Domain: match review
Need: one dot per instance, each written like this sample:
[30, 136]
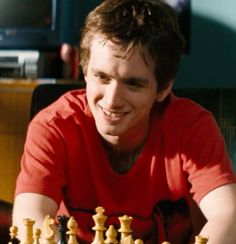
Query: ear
[164, 93]
[85, 78]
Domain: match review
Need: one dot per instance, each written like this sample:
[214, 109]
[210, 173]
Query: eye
[101, 77]
[134, 83]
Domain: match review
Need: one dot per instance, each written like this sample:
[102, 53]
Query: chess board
[68, 230]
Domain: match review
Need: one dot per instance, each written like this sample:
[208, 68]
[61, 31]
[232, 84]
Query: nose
[114, 95]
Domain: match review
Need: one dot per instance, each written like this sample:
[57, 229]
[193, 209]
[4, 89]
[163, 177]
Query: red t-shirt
[184, 157]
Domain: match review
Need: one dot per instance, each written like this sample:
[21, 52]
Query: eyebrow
[137, 79]
[140, 80]
[97, 71]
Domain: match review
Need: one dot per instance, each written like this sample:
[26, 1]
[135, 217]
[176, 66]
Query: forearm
[219, 208]
[220, 230]
[32, 206]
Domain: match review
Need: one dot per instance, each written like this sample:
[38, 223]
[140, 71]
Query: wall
[212, 58]
[73, 15]
[211, 62]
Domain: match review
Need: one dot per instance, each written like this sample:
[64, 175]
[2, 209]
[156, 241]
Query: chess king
[68, 231]
[126, 142]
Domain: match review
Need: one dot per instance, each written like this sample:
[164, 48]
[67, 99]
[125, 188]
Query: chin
[110, 131]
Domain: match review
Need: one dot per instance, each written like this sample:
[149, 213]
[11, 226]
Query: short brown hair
[148, 24]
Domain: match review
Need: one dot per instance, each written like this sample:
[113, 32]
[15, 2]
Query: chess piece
[13, 235]
[125, 222]
[127, 240]
[72, 232]
[37, 235]
[62, 228]
[28, 235]
[139, 241]
[48, 230]
[99, 220]
[111, 235]
[201, 240]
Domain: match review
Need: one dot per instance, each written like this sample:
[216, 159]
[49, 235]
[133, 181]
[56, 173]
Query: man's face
[120, 91]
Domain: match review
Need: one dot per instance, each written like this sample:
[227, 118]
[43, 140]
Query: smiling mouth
[114, 114]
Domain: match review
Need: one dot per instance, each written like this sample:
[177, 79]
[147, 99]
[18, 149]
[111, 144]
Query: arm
[32, 205]
[219, 207]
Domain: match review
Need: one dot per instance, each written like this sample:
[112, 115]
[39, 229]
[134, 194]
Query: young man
[126, 142]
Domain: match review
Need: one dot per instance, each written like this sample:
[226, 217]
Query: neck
[127, 142]
[121, 160]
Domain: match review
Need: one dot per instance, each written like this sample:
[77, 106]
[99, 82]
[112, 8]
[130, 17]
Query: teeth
[112, 114]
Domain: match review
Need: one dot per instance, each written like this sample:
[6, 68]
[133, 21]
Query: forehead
[102, 47]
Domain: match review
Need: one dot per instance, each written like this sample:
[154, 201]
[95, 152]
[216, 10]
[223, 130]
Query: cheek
[94, 92]
[144, 101]
[90, 85]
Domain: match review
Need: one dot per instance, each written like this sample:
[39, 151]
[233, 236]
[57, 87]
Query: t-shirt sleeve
[42, 163]
[205, 156]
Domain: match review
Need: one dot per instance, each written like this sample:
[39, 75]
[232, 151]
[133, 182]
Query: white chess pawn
[37, 235]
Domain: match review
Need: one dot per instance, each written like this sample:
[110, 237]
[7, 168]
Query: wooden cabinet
[15, 100]
[15, 105]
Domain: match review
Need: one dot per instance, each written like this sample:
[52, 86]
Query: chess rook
[68, 230]
[28, 224]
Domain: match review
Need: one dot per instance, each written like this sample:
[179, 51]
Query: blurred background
[38, 45]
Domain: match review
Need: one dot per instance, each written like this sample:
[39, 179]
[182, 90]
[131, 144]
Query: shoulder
[185, 125]
[183, 112]
[67, 115]
[187, 106]
[70, 105]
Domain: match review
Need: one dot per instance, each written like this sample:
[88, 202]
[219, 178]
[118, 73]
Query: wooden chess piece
[13, 235]
[111, 235]
[37, 235]
[62, 228]
[28, 234]
[125, 222]
[139, 241]
[48, 230]
[72, 232]
[127, 240]
[201, 240]
[99, 220]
